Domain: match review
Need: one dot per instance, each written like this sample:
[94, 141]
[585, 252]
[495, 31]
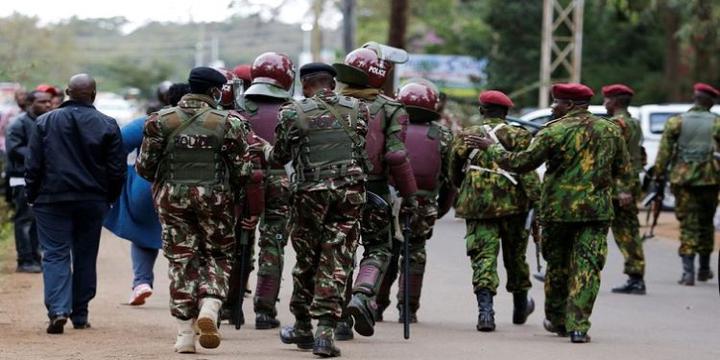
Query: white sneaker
[185, 341]
[140, 293]
[207, 322]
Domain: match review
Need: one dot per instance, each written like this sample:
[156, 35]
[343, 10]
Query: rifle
[654, 202]
[532, 225]
[238, 317]
[406, 282]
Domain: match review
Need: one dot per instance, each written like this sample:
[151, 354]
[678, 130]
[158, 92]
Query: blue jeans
[26, 241]
[69, 233]
[143, 261]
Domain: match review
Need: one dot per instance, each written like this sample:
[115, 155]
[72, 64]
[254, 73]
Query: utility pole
[348, 11]
[561, 52]
[200, 47]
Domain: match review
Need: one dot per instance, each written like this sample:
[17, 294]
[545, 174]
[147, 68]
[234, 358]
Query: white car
[116, 107]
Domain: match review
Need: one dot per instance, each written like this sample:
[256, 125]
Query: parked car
[116, 107]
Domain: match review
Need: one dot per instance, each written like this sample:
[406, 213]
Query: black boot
[265, 322]
[300, 336]
[486, 315]
[362, 312]
[557, 329]
[401, 318]
[579, 337]
[523, 306]
[344, 330]
[635, 285]
[324, 345]
[688, 276]
[704, 273]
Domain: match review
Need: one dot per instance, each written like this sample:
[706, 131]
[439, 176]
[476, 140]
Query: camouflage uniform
[274, 221]
[422, 220]
[584, 156]
[694, 181]
[625, 225]
[327, 201]
[196, 212]
[495, 209]
[390, 119]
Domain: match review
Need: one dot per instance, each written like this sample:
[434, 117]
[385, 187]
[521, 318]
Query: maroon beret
[47, 89]
[495, 97]
[243, 72]
[617, 89]
[707, 89]
[572, 91]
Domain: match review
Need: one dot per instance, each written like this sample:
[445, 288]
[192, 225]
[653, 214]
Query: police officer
[324, 137]
[195, 156]
[586, 162]
[428, 144]
[625, 225]
[364, 72]
[687, 147]
[272, 76]
[495, 205]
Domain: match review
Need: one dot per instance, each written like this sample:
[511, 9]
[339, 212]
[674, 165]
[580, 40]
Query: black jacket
[75, 154]
[17, 138]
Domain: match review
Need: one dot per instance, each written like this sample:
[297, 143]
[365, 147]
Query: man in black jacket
[76, 167]
[17, 139]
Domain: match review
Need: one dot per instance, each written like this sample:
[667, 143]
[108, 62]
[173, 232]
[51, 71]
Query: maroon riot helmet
[272, 75]
[421, 99]
[232, 90]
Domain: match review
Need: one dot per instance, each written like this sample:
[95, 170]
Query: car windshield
[658, 120]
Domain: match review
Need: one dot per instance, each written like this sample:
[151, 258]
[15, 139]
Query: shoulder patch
[347, 101]
[307, 105]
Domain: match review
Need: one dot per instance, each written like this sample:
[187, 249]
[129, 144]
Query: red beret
[572, 91]
[48, 89]
[707, 89]
[617, 89]
[243, 71]
[495, 97]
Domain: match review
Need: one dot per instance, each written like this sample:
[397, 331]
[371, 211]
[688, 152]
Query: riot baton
[238, 316]
[406, 282]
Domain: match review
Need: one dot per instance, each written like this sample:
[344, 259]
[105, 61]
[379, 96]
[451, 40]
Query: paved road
[671, 322]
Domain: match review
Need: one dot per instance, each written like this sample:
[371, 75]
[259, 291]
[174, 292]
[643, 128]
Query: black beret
[203, 77]
[316, 67]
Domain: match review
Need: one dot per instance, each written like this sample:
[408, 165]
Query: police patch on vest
[323, 122]
[193, 141]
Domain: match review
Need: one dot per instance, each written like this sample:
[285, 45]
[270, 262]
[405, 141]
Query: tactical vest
[328, 146]
[381, 110]
[696, 143]
[192, 155]
[265, 119]
[423, 146]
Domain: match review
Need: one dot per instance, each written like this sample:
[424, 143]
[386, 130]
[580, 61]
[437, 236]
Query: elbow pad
[255, 194]
[401, 172]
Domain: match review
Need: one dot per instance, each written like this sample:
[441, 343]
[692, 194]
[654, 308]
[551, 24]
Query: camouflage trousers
[422, 221]
[626, 231]
[695, 209]
[483, 241]
[575, 253]
[272, 241]
[198, 241]
[324, 236]
[377, 249]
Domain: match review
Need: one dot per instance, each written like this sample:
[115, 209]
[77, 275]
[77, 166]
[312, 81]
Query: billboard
[458, 76]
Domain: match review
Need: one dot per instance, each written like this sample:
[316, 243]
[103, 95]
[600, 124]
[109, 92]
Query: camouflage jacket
[486, 194]
[289, 136]
[682, 173]
[632, 133]
[585, 155]
[157, 130]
